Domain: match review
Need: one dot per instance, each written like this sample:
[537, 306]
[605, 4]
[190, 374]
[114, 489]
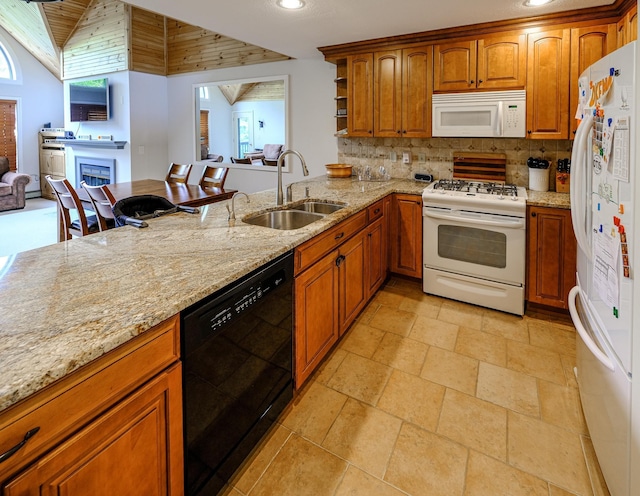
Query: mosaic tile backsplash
[435, 155]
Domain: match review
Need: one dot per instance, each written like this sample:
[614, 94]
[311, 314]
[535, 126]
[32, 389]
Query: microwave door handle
[499, 123]
[474, 219]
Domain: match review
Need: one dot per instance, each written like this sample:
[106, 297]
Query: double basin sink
[294, 217]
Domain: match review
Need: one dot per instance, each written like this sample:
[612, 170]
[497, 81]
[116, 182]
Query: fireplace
[95, 171]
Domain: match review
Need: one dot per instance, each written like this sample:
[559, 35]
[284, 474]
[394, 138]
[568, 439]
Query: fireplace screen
[95, 171]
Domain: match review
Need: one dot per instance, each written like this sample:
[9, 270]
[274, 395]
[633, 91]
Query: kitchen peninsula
[68, 306]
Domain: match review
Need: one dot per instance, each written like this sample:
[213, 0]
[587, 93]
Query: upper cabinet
[548, 84]
[588, 45]
[402, 93]
[492, 63]
[360, 95]
[389, 93]
[385, 86]
[627, 28]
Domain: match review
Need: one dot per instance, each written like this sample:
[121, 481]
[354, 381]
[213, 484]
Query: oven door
[486, 246]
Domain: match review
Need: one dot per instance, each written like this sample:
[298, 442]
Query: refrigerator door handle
[577, 190]
[584, 334]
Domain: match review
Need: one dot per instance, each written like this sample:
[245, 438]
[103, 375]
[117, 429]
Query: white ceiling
[329, 22]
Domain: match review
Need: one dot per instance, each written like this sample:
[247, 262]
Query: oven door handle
[473, 218]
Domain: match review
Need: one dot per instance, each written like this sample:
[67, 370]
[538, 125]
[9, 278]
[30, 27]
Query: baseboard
[32, 194]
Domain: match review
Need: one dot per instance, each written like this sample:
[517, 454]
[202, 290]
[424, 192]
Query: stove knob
[514, 198]
[442, 191]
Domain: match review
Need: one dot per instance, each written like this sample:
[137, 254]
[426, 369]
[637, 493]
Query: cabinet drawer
[314, 249]
[375, 211]
[66, 405]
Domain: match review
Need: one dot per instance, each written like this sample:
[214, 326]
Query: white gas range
[474, 242]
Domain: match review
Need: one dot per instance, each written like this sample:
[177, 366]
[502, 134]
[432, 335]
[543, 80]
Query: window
[7, 70]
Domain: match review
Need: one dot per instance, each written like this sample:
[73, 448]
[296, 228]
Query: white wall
[150, 126]
[40, 101]
[311, 121]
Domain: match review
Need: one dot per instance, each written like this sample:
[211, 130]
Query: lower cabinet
[405, 230]
[112, 427]
[125, 451]
[337, 273]
[551, 246]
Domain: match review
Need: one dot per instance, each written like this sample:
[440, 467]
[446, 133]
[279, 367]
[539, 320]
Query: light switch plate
[393, 156]
[406, 157]
[422, 157]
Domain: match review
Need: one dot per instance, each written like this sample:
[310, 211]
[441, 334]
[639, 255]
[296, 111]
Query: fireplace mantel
[118, 145]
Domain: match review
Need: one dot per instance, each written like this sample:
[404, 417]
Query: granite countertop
[69, 303]
[548, 199]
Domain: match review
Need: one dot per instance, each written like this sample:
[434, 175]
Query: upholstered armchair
[12, 187]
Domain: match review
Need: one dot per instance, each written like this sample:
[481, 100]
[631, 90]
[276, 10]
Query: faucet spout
[305, 171]
[232, 212]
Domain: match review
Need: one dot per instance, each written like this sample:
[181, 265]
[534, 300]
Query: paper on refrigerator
[605, 268]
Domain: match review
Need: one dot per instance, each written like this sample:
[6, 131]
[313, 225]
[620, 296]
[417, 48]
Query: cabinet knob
[370, 131]
[533, 214]
[339, 260]
[480, 81]
[398, 131]
[529, 131]
[471, 82]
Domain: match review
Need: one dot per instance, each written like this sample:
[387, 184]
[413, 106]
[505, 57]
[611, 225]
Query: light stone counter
[548, 199]
[64, 305]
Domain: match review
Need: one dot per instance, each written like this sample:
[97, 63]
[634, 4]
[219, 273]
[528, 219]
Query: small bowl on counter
[339, 170]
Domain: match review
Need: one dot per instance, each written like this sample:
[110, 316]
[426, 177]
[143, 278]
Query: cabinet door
[405, 229]
[387, 94]
[360, 95]
[376, 252]
[353, 274]
[588, 45]
[502, 62]
[548, 84]
[552, 256]
[134, 448]
[316, 315]
[417, 68]
[454, 66]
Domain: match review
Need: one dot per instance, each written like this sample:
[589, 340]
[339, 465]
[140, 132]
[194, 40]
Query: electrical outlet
[406, 157]
[393, 156]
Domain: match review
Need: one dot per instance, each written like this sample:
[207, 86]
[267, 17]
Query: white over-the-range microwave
[482, 114]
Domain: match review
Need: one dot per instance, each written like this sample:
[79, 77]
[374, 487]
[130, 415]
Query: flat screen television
[89, 100]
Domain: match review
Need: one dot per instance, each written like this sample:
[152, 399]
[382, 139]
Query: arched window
[7, 69]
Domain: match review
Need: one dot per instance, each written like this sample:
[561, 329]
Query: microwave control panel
[514, 119]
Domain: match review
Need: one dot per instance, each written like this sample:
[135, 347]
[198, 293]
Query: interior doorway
[242, 132]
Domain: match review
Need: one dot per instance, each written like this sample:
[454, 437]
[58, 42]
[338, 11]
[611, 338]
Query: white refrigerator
[603, 189]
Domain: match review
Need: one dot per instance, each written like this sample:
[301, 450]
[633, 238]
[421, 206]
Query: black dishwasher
[237, 372]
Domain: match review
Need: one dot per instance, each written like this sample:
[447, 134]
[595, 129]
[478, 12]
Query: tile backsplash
[435, 155]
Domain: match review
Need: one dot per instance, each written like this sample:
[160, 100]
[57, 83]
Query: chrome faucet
[305, 171]
[232, 212]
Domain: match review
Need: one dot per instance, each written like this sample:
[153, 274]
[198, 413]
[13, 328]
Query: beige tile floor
[428, 396]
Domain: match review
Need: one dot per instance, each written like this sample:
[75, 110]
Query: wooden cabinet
[124, 451]
[551, 256]
[360, 95]
[402, 93]
[337, 273]
[53, 163]
[120, 414]
[328, 297]
[588, 45]
[405, 235]
[548, 84]
[492, 63]
[377, 246]
[627, 28]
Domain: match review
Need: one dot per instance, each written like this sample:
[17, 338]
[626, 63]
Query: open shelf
[110, 144]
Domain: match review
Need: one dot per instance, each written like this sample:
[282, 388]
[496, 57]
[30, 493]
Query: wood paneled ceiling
[43, 29]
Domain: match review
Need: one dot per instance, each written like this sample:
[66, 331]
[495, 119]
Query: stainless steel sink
[318, 207]
[283, 219]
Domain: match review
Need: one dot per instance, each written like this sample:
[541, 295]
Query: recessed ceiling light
[291, 4]
[536, 3]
